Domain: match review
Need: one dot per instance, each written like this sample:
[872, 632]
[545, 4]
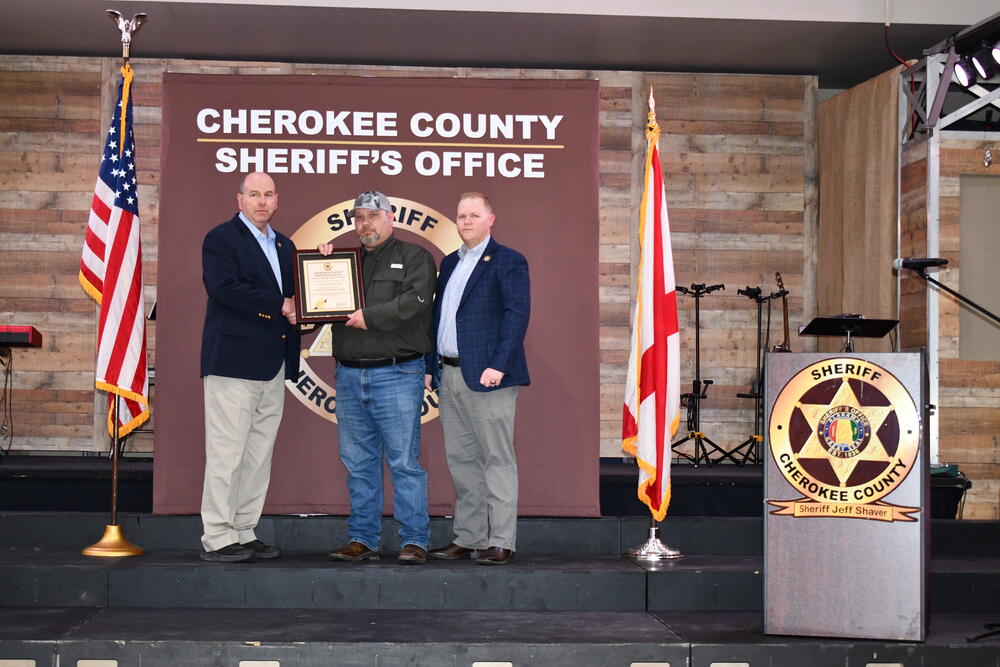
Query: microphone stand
[752, 445]
[922, 272]
[699, 391]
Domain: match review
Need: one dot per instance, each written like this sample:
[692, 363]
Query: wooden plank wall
[969, 391]
[740, 168]
[49, 141]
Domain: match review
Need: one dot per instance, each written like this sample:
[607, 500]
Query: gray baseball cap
[373, 200]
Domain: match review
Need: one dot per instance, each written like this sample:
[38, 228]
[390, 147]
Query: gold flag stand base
[654, 549]
[112, 544]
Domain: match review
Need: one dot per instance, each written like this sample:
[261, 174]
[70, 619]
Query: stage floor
[550, 606]
[314, 638]
[567, 598]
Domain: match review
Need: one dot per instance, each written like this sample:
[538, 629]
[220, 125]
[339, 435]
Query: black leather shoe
[411, 554]
[495, 556]
[354, 552]
[451, 552]
[261, 550]
[234, 553]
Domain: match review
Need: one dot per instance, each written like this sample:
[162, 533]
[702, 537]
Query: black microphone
[918, 264]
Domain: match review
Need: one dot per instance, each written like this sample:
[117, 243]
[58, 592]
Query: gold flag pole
[113, 543]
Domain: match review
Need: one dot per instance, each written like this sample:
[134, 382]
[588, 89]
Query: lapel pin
[487, 258]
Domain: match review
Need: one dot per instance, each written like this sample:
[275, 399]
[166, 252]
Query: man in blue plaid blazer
[481, 311]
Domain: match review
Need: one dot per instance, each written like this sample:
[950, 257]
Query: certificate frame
[328, 288]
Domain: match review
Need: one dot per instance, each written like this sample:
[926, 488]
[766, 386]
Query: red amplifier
[18, 336]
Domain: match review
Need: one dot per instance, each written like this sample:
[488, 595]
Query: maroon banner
[531, 146]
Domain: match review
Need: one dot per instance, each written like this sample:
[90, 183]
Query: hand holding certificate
[328, 288]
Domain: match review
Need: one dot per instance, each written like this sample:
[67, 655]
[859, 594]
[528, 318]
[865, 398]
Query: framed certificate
[328, 288]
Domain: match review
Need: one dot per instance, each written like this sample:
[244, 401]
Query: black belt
[376, 363]
[450, 361]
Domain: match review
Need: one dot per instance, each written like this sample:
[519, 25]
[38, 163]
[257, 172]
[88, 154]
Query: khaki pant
[241, 423]
[479, 443]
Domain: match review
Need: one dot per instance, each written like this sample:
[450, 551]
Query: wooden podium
[845, 496]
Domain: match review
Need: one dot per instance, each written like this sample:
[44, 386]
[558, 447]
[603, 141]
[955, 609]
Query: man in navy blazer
[481, 311]
[249, 347]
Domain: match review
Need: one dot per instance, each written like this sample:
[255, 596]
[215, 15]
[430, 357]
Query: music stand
[851, 327]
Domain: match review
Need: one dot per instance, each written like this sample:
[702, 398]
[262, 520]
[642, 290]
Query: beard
[369, 238]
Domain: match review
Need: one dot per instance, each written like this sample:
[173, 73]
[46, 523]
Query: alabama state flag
[652, 392]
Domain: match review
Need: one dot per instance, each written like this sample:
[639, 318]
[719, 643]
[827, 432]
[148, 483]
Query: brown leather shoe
[495, 556]
[411, 554]
[354, 552]
[451, 552]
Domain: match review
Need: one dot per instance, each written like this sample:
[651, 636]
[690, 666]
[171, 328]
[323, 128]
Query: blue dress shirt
[267, 241]
[447, 338]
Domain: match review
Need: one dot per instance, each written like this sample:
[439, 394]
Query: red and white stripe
[92, 262]
[121, 342]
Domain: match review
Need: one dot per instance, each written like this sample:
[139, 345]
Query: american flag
[651, 412]
[111, 272]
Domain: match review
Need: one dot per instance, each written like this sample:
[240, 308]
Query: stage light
[964, 73]
[983, 60]
[969, 41]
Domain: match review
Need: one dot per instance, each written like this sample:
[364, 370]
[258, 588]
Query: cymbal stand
[751, 447]
[699, 387]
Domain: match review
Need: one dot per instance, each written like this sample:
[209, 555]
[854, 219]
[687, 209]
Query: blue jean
[378, 412]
